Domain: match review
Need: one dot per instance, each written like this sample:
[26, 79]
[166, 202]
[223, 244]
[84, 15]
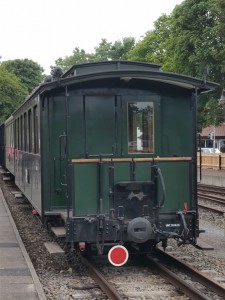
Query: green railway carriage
[110, 147]
[2, 145]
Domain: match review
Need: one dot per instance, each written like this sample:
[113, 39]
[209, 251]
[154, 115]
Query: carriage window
[140, 127]
[21, 132]
[29, 132]
[25, 131]
[7, 135]
[15, 132]
[12, 136]
[18, 133]
[36, 132]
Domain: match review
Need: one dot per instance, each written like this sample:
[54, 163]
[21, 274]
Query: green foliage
[195, 41]
[104, 51]
[114, 51]
[190, 41]
[120, 49]
[197, 48]
[28, 71]
[219, 52]
[79, 56]
[152, 48]
[12, 93]
[210, 112]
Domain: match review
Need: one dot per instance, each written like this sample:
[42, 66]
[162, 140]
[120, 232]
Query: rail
[193, 273]
[155, 264]
[110, 291]
[213, 161]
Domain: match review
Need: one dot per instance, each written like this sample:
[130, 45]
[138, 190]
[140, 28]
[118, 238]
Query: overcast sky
[44, 30]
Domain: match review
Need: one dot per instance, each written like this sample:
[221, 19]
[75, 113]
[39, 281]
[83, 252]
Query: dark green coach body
[118, 153]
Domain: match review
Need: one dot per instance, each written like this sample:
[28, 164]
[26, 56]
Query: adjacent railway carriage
[2, 145]
[110, 148]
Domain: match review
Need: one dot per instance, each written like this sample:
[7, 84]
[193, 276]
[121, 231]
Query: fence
[213, 161]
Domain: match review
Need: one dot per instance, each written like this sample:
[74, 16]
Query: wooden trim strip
[146, 159]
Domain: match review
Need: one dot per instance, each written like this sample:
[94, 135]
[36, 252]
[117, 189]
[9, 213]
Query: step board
[203, 246]
[18, 194]
[53, 248]
[59, 231]
[15, 192]
[6, 178]
[4, 172]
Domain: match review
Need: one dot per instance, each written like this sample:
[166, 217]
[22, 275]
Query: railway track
[200, 277]
[210, 188]
[142, 281]
[153, 277]
[211, 198]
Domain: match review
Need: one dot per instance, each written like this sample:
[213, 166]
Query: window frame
[151, 131]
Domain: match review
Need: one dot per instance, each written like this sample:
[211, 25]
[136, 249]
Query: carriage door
[101, 125]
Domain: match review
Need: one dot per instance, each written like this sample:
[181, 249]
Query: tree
[152, 48]
[219, 53]
[190, 41]
[103, 52]
[12, 93]
[194, 41]
[197, 48]
[78, 56]
[119, 49]
[210, 112]
[28, 71]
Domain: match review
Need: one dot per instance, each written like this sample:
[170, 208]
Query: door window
[140, 127]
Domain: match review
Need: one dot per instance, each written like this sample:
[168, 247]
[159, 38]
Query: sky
[44, 30]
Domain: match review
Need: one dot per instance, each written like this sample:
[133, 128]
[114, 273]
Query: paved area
[212, 177]
[18, 279]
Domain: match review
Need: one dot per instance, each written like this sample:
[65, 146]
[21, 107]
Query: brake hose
[163, 187]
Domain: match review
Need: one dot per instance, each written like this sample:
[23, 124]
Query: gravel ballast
[63, 276]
